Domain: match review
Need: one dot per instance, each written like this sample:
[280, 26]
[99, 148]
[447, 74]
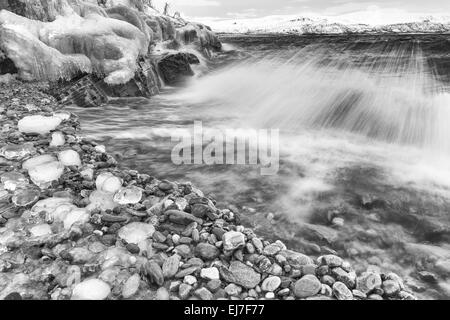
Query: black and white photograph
[225, 155]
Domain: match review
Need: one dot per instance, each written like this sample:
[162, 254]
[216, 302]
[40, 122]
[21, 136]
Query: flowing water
[364, 144]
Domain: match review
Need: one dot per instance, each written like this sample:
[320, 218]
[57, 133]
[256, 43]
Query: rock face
[176, 68]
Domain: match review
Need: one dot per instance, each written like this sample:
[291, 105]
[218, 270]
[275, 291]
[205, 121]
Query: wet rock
[307, 286]
[38, 124]
[207, 251]
[203, 207]
[175, 68]
[241, 274]
[341, 292]
[136, 232]
[233, 240]
[38, 160]
[92, 289]
[69, 158]
[129, 195]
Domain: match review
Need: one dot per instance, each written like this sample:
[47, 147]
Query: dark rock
[175, 68]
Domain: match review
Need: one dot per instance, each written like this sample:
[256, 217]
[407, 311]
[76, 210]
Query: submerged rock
[25, 197]
[13, 180]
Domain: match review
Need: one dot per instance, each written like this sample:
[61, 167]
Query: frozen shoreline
[95, 231]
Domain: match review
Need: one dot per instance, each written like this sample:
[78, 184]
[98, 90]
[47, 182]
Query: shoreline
[97, 232]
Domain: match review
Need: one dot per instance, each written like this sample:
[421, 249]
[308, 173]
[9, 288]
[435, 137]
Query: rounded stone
[307, 286]
[271, 284]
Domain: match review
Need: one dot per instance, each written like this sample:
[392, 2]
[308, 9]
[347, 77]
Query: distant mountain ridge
[317, 25]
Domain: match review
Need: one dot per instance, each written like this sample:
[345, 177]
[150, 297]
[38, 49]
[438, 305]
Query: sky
[244, 9]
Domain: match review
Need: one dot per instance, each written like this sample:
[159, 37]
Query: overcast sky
[233, 9]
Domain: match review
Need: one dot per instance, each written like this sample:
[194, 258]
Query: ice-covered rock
[13, 180]
[49, 205]
[69, 158]
[76, 216]
[43, 174]
[101, 200]
[38, 124]
[17, 151]
[25, 197]
[58, 139]
[91, 289]
[38, 160]
[129, 195]
[41, 230]
[107, 182]
[136, 232]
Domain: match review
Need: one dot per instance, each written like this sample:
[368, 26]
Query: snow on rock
[315, 24]
[69, 158]
[43, 174]
[91, 289]
[136, 232]
[38, 124]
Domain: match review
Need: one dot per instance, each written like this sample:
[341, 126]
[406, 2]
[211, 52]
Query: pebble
[210, 273]
[207, 251]
[170, 266]
[271, 283]
[307, 286]
[368, 281]
[341, 292]
[233, 240]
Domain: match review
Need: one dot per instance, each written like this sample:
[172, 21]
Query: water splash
[391, 94]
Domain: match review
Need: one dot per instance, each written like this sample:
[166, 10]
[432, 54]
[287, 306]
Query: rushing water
[364, 136]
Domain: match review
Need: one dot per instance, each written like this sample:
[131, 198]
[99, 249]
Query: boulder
[176, 68]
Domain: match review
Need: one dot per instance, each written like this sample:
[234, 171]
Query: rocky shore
[76, 226]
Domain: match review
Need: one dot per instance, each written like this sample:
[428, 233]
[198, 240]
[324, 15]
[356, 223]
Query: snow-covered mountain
[326, 25]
